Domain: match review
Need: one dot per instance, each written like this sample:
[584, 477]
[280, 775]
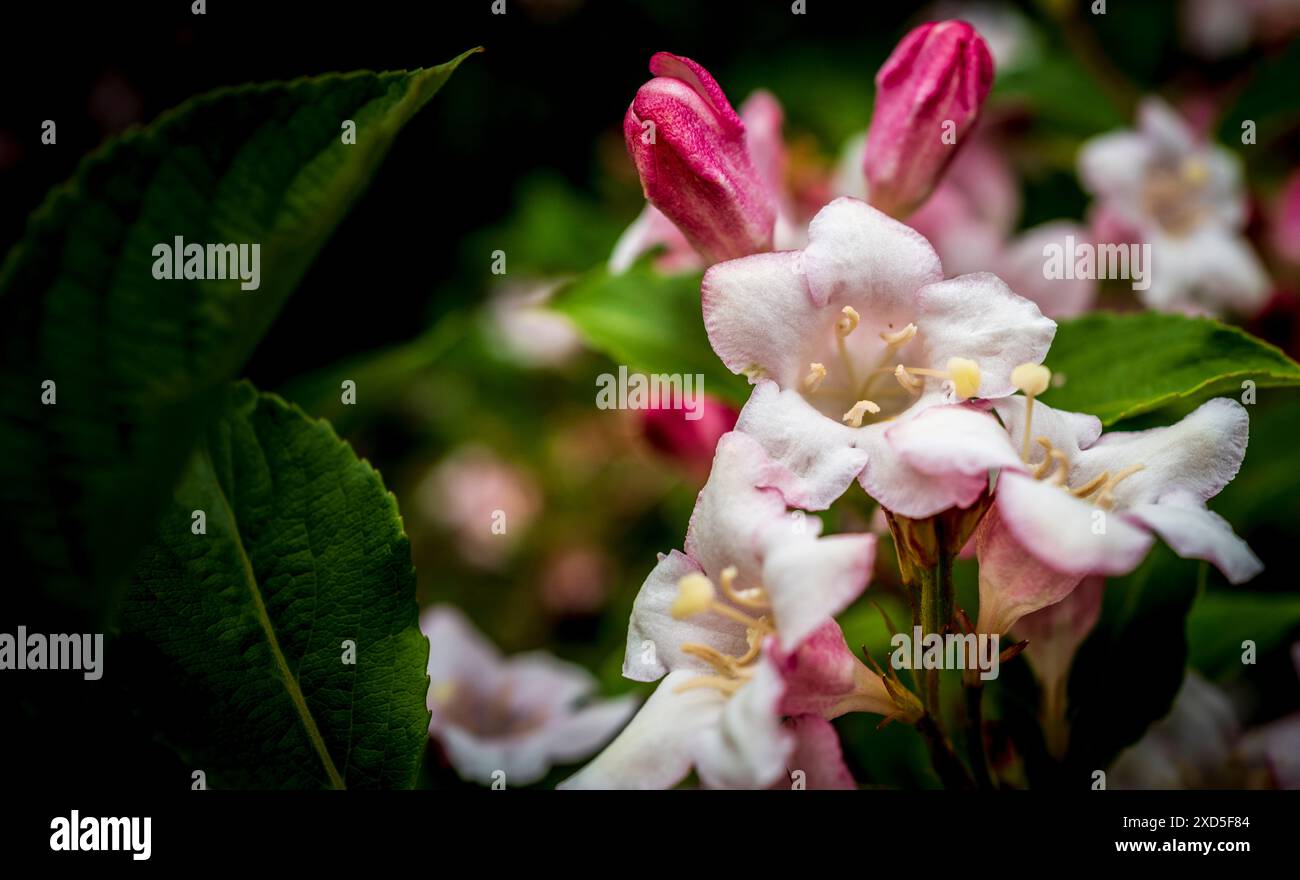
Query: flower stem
[975, 735]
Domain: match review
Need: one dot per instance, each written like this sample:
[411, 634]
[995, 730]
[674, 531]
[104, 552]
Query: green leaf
[139, 363]
[1127, 672]
[650, 322]
[241, 631]
[1221, 621]
[1119, 365]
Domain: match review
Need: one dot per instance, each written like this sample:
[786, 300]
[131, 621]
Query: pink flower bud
[928, 95]
[689, 149]
[689, 438]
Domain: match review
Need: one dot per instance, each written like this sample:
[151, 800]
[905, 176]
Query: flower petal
[759, 316]
[750, 747]
[818, 756]
[658, 747]
[1066, 533]
[1068, 431]
[655, 637]
[855, 250]
[907, 490]
[822, 453]
[1195, 532]
[1198, 456]
[809, 580]
[1013, 583]
[458, 653]
[978, 317]
[947, 440]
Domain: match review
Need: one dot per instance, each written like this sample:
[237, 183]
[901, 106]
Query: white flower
[1161, 185]
[516, 715]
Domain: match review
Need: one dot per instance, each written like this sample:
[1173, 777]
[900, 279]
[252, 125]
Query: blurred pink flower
[928, 96]
[1162, 185]
[487, 503]
[517, 715]
[575, 581]
[970, 219]
[690, 443]
[529, 333]
[1286, 221]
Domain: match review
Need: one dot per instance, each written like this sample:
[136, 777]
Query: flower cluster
[870, 365]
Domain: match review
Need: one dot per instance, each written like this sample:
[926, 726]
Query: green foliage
[245, 626]
[1116, 366]
[1221, 621]
[1127, 672]
[648, 321]
[140, 363]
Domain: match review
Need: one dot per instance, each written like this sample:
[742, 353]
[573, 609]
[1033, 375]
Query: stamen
[710, 655]
[727, 685]
[912, 386]
[893, 341]
[813, 381]
[854, 416]
[1032, 380]
[848, 321]
[1091, 486]
[694, 596]
[1195, 171]
[899, 337]
[1048, 462]
[1107, 497]
[754, 597]
[963, 373]
[1063, 467]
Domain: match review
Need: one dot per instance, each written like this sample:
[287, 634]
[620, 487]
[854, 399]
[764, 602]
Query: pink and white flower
[1162, 185]
[740, 629]
[852, 339]
[517, 715]
[1086, 504]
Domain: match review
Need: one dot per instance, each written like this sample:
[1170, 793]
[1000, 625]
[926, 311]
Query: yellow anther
[1107, 496]
[896, 338]
[965, 376]
[694, 596]
[1195, 170]
[816, 373]
[853, 418]
[1046, 465]
[848, 321]
[442, 692]
[1031, 379]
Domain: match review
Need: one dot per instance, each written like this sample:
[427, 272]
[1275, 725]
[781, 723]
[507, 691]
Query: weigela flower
[1083, 503]
[517, 715]
[690, 151]
[928, 95]
[1161, 185]
[740, 629]
[851, 340]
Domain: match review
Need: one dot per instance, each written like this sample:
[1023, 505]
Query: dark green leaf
[1221, 621]
[244, 628]
[138, 362]
[1119, 365]
[1126, 674]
